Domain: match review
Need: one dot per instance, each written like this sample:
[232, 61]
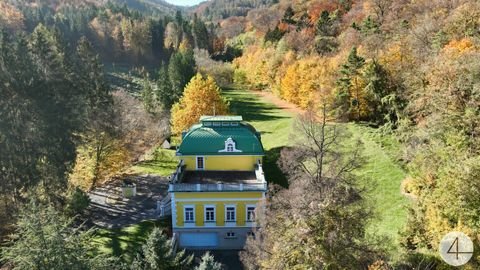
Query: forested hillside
[408, 67]
[89, 88]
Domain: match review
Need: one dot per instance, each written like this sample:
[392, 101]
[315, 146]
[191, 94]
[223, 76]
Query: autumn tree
[320, 220]
[202, 96]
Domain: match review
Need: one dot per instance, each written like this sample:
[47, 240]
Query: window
[189, 214]
[226, 124]
[207, 124]
[230, 235]
[209, 214]
[229, 147]
[234, 124]
[200, 163]
[217, 124]
[230, 212]
[250, 213]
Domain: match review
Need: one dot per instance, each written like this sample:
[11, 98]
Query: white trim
[214, 221]
[236, 155]
[232, 222]
[190, 223]
[174, 210]
[196, 162]
[221, 199]
[230, 142]
[249, 225]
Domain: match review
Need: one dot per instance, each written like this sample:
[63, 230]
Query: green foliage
[45, 239]
[77, 201]
[274, 35]
[157, 254]
[209, 263]
[164, 88]
[148, 95]
[288, 16]
[348, 99]
[181, 69]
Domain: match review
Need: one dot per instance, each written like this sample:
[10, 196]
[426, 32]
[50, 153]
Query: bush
[77, 201]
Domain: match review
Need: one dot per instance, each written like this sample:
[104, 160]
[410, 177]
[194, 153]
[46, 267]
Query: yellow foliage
[308, 81]
[256, 64]
[459, 47]
[200, 97]
[97, 164]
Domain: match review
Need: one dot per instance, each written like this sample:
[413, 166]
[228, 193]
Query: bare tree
[320, 219]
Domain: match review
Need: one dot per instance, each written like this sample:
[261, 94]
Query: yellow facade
[199, 200]
[223, 163]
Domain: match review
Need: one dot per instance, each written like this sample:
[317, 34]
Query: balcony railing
[179, 187]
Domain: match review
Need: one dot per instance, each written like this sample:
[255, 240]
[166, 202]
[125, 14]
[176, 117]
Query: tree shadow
[270, 167]
[251, 108]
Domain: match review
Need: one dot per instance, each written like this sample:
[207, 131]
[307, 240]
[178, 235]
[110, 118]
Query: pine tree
[200, 33]
[288, 16]
[348, 96]
[157, 254]
[181, 69]
[45, 239]
[148, 96]
[209, 263]
[164, 88]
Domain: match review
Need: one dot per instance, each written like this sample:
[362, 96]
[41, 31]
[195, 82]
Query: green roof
[221, 118]
[209, 139]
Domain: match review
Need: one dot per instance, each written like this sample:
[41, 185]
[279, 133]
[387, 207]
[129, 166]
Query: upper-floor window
[230, 146]
[250, 213]
[230, 214]
[209, 214]
[189, 214]
[200, 163]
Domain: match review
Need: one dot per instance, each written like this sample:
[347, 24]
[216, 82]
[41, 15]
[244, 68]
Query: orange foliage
[459, 47]
[11, 17]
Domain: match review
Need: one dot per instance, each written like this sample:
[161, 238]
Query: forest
[89, 88]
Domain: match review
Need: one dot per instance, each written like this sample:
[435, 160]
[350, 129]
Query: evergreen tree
[148, 96]
[157, 254]
[288, 16]
[181, 69]
[164, 88]
[274, 35]
[200, 33]
[209, 263]
[45, 239]
[347, 98]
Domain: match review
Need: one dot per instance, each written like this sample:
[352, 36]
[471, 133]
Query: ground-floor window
[209, 214]
[231, 235]
[189, 215]
[200, 163]
[250, 213]
[230, 214]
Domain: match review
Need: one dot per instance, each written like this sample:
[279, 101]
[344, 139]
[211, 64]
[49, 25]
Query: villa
[218, 185]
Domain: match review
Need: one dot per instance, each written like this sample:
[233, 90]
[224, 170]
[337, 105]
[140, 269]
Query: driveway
[109, 209]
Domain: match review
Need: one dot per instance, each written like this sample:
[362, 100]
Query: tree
[148, 95]
[164, 93]
[181, 69]
[209, 263]
[45, 239]
[200, 33]
[201, 97]
[288, 16]
[158, 254]
[349, 86]
[319, 222]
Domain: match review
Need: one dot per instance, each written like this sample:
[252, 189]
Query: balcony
[217, 181]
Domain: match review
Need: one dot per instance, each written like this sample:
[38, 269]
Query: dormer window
[230, 146]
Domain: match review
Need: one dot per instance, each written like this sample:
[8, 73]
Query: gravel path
[109, 209]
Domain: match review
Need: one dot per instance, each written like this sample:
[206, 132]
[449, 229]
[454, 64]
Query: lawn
[126, 242]
[381, 173]
[273, 123]
[162, 162]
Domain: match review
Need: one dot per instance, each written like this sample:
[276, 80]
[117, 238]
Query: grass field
[126, 242]
[381, 174]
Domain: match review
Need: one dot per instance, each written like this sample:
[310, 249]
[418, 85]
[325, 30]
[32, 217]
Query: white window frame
[234, 214]
[246, 212]
[230, 235]
[196, 162]
[214, 214]
[185, 214]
